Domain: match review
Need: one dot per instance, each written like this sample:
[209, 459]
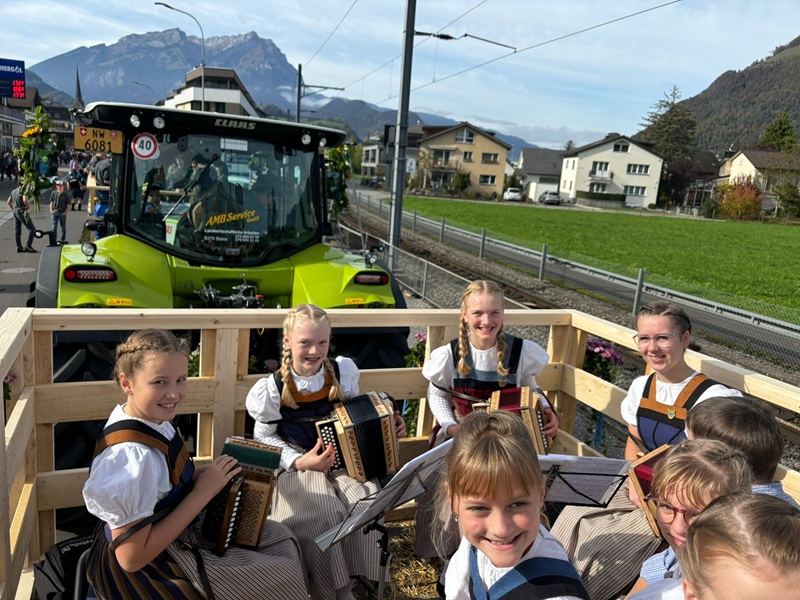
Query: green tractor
[214, 211]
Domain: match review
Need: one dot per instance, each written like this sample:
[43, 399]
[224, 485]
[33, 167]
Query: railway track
[372, 225]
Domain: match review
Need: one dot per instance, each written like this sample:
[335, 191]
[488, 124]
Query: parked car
[550, 198]
[512, 194]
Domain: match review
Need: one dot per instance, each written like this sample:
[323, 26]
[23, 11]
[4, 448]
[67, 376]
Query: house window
[465, 136]
[597, 188]
[441, 158]
[638, 169]
[600, 169]
[488, 157]
[635, 190]
[487, 180]
[621, 147]
[467, 156]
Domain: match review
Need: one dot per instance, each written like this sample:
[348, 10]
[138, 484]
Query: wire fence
[751, 326]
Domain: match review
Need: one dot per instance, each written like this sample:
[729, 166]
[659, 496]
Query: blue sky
[562, 83]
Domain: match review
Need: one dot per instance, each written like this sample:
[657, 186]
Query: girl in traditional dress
[482, 360]
[148, 494]
[494, 487]
[309, 497]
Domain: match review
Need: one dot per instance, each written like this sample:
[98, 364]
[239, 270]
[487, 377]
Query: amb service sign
[12, 78]
[95, 139]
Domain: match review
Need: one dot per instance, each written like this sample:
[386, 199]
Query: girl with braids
[147, 493]
[482, 360]
[309, 497]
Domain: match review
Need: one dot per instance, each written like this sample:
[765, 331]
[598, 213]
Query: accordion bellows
[527, 404]
[238, 513]
[363, 435]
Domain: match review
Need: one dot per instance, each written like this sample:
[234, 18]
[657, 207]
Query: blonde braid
[502, 347]
[463, 349]
[336, 394]
[286, 377]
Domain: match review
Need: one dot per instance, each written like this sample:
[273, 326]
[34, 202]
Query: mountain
[161, 59]
[158, 61]
[736, 108]
[48, 91]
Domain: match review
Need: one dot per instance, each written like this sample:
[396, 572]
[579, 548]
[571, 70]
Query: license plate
[95, 139]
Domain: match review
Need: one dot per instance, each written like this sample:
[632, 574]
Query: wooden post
[566, 345]
[45, 432]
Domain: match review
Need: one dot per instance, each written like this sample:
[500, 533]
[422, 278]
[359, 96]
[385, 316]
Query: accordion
[640, 476]
[237, 514]
[363, 435]
[527, 404]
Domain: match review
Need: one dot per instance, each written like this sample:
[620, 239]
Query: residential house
[414, 134]
[618, 166]
[222, 91]
[373, 157]
[540, 171]
[12, 126]
[766, 168]
[464, 147]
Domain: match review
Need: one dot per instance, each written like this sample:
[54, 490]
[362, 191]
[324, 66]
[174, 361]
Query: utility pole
[301, 86]
[401, 133]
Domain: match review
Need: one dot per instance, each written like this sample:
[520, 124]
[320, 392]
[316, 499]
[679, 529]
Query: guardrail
[783, 347]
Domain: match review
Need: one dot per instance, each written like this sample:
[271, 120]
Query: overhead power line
[519, 51]
[339, 24]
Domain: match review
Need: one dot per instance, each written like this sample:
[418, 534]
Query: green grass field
[754, 260]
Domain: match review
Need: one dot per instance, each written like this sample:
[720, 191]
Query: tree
[780, 135]
[741, 200]
[671, 128]
[570, 145]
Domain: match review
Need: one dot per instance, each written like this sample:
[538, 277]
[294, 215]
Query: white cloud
[601, 80]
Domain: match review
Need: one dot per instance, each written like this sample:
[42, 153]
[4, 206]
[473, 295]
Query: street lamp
[144, 85]
[202, 55]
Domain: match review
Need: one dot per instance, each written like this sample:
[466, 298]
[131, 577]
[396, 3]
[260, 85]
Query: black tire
[46, 290]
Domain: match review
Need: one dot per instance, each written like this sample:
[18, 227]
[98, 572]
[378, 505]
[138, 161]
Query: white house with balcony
[222, 91]
[616, 166]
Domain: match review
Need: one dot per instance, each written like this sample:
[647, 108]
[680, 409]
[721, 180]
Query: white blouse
[128, 479]
[666, 393]
[440, 370]
[264, 404]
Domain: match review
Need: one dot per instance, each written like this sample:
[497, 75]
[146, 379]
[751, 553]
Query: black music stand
[583, 480]
[407, 484]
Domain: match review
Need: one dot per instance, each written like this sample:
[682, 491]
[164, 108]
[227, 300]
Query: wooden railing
[34, 490]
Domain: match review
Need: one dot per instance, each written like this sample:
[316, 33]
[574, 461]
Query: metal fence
[744, 324]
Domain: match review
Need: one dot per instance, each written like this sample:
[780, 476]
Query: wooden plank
[15, 326]
[94, 400]
[204, 436]
[60, 489]
[594, 392]
[790, 480]
[412, 447]
[19, 429]
[226, 362]
[21, 526]
[566, 443]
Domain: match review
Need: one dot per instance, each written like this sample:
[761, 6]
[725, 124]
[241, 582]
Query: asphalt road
[18, 270]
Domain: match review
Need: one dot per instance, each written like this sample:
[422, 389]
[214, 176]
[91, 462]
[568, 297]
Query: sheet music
[407, 484]
[597, 478]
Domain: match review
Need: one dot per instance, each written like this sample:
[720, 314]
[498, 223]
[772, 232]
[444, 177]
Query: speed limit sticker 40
[144, 146]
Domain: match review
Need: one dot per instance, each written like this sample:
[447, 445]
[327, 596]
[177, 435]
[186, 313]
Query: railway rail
[372, 226]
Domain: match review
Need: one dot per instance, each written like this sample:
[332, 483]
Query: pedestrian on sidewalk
[60, 205]
[20, 206]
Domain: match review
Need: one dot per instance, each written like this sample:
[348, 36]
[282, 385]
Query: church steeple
[78, 96]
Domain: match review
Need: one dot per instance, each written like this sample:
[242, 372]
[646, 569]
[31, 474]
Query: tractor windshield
[222, 200]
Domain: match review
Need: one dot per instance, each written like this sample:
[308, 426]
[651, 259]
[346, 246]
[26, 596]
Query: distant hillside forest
[736, 109]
